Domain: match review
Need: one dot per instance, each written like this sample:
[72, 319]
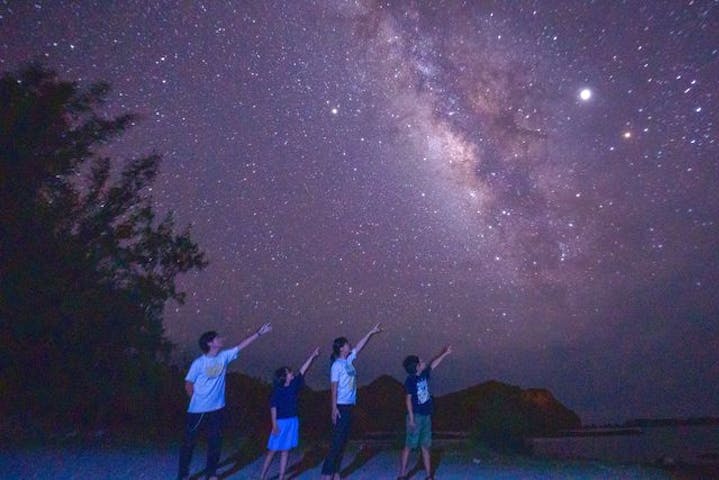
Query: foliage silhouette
[86, 267]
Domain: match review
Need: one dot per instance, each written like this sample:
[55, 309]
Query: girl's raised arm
[363, 341]
[308, 362]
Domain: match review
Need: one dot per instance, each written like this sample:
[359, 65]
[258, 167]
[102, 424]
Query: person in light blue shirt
[343, 383]
[205, 385]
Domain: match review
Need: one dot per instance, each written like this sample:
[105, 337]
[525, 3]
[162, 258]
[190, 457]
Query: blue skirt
[286, 438]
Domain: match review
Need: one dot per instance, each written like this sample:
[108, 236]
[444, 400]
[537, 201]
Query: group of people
[205, 385]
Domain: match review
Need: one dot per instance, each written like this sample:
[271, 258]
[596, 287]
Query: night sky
[533, 182]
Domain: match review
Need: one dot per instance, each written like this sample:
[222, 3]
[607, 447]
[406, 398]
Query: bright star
[585, 94]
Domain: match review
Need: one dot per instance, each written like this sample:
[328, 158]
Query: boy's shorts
[421, 434]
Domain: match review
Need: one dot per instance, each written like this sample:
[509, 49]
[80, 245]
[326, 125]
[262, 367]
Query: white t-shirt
[344, 373]
[207, 374]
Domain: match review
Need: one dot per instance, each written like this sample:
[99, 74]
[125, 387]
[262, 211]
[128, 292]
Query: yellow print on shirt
[213, 369]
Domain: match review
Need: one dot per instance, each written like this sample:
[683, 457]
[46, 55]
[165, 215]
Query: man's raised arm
[266, 328]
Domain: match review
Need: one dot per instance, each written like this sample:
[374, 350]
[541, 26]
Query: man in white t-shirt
[205, 385]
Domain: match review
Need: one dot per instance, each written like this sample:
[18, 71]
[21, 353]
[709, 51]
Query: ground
[363, 461]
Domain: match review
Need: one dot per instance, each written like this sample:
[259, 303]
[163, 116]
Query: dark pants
[340, 434]
[212, 422]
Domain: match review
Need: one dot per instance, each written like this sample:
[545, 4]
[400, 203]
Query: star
[465, 154]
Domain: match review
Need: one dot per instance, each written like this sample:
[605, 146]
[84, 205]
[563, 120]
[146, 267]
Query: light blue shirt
[344, 373]
[207, 374]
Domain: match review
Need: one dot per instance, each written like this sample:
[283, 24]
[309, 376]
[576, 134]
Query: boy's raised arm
[438, 359]
[363, 341]
[266, 328]
[308, 362]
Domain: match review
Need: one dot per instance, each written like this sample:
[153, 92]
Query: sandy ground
[361, 462]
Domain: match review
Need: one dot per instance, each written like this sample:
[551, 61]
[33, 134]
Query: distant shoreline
[598, 432]
[671, 422]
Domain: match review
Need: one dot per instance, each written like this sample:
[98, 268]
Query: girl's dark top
[284, 399]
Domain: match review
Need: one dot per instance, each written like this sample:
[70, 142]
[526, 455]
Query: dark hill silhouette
[381, 406]
[543, 413]
[495, 405]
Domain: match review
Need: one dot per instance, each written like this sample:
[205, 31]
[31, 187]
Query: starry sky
[533, 182]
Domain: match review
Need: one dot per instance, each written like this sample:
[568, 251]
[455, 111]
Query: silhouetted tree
[86, 267]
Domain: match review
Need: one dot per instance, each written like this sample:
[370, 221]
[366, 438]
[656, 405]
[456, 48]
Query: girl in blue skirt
[283, 409]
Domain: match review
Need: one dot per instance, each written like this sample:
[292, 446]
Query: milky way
[439, 168]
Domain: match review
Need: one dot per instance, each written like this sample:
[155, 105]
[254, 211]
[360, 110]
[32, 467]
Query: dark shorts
[421, 434]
